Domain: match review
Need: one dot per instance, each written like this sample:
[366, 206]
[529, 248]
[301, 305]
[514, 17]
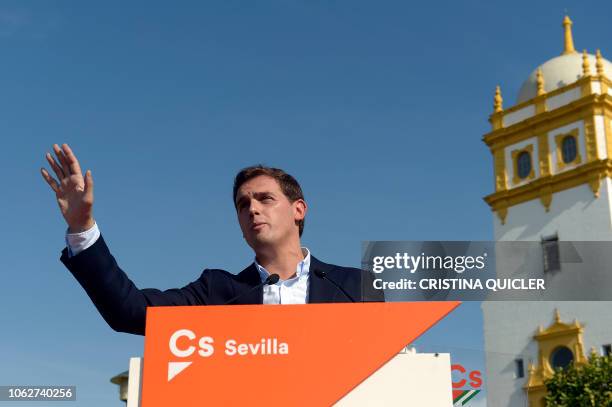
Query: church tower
[552, 154]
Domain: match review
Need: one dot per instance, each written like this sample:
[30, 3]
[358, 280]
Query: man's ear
[299, 209]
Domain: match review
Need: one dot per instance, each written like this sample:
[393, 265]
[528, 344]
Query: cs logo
[181, 348]
[466, 385]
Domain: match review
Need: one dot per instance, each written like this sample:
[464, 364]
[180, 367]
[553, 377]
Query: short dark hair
[288, 184]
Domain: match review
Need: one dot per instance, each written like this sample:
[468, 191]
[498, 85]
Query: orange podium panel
[274, 355]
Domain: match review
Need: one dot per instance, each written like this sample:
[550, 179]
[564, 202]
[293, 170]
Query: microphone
[272, 279]
[322, 274]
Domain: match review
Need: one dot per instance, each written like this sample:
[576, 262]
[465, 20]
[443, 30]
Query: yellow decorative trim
[580, 83]
[543, 155]
[558, 334]
[534, 378]
[502, 213]
[608, 134]
[580, 109]
[600, 72]
[591, 172]
[586, 67]
[569, 40]
[595, 184]
[550, 94]
[544, 159]
[501, 183]
[515, 154]
[561, 164]
[599, 63]
[546, 197]
[497, 118]
[587, 87]
[536, 391]
[590, 138]
[580, 175]
[497, 100]
[557, 330]
[497, 121]
[605, 79]
[603, 85]
[606, 82]
[540, 104]
[540, 82]
[592, 155]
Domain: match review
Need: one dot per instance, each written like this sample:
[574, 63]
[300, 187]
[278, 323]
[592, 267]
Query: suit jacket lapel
[249, 277]
[320, 290]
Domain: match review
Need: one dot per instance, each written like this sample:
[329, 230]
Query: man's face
[266, 216]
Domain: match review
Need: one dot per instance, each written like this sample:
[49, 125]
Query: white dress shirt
[291, 291]
[77, 242]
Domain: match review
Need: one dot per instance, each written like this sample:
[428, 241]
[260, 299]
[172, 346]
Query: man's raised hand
[74, 192]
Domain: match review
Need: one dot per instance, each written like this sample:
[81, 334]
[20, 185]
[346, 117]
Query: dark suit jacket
[123, 305]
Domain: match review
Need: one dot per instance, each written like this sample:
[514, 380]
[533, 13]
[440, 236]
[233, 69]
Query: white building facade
[552, 154]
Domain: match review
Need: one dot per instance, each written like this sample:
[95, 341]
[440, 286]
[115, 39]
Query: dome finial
[557, 315]
[599, 63]
[497, 100]
[586, 68]
[569, 40]
[540, 82]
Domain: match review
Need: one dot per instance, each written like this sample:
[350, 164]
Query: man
[271, 210]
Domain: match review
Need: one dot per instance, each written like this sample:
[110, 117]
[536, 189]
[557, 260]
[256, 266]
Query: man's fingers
[62, 160]
[50, 180]
[55, 166]
[73, 163]
[89, 184]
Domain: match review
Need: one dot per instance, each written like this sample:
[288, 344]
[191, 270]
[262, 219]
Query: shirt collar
[302, 268]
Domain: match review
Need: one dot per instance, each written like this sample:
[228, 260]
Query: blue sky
[378, 108]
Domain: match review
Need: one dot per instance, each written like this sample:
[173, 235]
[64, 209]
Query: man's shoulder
[356, 281]
[340, 274]
[316, 264]
[222, 285]
[248, 276]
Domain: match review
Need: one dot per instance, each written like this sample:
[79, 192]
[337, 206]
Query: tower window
[568, 149]
[551, 255]
[523, 164]
[519, 368]
[606, 350]
[561, 358]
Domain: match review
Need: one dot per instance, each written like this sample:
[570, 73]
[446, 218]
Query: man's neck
[281, 261]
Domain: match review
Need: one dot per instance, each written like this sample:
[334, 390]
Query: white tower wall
[509, 328]
[561, 97]
[575, 215]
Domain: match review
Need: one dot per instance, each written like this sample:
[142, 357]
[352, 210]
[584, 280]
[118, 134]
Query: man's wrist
[75, 229]
[77, 242]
